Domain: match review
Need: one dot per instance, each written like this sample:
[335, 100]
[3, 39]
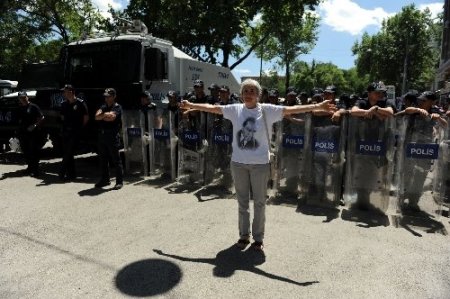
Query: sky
[342, 22]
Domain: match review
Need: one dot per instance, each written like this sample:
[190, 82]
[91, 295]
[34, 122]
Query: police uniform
[419, 130]
[194, 121]
[292, 157]
[213, 98]
[145, 109]
[30, 136]
[371, 168]
[365, 104]
[219, 151]
[73, 117]
[109, 144]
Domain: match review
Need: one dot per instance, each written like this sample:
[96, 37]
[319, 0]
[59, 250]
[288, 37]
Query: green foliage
[286, 31]
[307, 76]
[203, 29]
[211, 30]
[35, 30]
[410, 36]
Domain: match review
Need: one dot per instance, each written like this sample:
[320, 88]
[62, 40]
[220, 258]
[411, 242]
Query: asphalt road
[70, 240]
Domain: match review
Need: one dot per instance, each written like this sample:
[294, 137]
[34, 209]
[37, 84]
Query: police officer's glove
[31, 128]
[204, 146]
[146, 139]
[173, 142]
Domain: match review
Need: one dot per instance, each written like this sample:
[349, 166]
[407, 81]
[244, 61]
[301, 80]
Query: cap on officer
[273, 92]
[344, 98]
[224, 88]
[411, 95]
[21, 94]
[214, 86]
[377, 86]
[68, 87]
[109, 92]
[354, 97]
[316, 92]
[172, 93]
[291, 91]
[198, 83]
[427, 95]
[330, 89]
[146, 94]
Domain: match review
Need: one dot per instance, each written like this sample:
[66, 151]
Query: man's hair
[249, 120]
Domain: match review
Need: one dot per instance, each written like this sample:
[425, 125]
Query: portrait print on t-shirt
[246, 135]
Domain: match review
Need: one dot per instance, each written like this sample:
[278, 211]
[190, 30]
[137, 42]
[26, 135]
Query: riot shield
[441, 185]
[419, 175]
[399, 139]
[218, 153]
[163, 143]
[369, 163]
[325, 158]
[292, 142]
[136, 159]
[192, 145]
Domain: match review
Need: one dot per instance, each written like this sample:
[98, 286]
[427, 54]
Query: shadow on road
[149, 277]
[284, 199]
[178, 188]
[13, 174]
[231, 259]
[419, 221]
[209, 193]
[156, 182]
[367, 218]
[330, 213]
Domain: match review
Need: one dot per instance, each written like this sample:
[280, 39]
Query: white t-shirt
[250, 144]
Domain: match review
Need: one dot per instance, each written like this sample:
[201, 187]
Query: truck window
[100, 64]
[155, 64]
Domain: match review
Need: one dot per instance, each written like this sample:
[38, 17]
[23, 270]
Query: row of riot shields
[149, 143]
[362, 162]
[371, 164]
[193, 148]
[311, 151]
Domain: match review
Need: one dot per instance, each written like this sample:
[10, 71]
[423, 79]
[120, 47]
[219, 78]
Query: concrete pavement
[70, 240]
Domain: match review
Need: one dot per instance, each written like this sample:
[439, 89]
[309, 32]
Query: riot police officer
[109, 118]
[74, 115]
[30, 135]
[146, 106]
[274, 96]
[371, 170]
[199, 95]
[375, 104]
[416, 171]
[214, 90]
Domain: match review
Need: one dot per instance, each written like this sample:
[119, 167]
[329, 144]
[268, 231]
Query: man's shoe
[118, 186]
[102, 184]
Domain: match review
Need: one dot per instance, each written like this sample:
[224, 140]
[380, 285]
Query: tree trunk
[288, 75]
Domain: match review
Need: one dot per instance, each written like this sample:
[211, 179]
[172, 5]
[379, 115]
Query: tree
[306, 76]
[404, 53]
[35, 30]
[294, 34]
[209, 30]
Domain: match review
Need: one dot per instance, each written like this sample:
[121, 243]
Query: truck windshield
[40, 76]
[103, 64]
